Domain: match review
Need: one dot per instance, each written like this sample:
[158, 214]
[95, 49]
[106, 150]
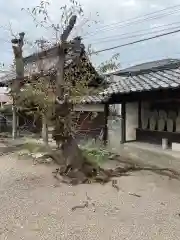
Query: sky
[113, 27]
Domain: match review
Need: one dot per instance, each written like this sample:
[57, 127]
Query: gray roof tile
[148, 66]
[153, 80]
[95, 99]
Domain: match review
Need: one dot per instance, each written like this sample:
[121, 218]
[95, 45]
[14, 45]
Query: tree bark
[17, 125]
[44, 129]
[14, 122]
[63, 133]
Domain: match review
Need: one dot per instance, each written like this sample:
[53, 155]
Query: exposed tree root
[74, 176]
[76, 169]
[89, 175]
[80, 206]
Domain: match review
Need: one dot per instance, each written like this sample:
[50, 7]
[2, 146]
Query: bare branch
[69, 28]
[11, 31]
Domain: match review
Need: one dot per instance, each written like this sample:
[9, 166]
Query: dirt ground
[34, 206]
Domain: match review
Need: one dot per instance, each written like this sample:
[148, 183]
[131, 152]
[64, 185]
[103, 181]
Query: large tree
[69, 85]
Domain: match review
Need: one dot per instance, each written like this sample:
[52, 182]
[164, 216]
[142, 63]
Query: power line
[128, 35]
[145, 15]
[132, 23]
[137, 41]
[140, 18]
[137, 20]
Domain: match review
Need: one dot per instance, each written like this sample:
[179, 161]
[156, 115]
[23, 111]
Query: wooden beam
[162, 94]
[139, 115]
[105, 132]
[123, 123]
[146, 135]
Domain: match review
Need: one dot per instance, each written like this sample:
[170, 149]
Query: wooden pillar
[139, 115]
[105, 132]
[123, 122]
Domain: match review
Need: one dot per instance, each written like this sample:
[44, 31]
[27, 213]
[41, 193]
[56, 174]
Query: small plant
[96, 155]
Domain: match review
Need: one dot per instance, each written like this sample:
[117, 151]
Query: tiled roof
[140, 82]
[149, 66]
[94, 99]
[47, 61]
[154, 80]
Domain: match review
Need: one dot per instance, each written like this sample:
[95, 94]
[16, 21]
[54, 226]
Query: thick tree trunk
[63, 119]
[75, 167]
[18, 130]
[72, 154]
[17, 45]
[44, 129]
[14, 121]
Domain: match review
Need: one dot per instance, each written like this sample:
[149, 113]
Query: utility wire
[129, 24]
[138, 31]
[136, 20]
[144, 15]
[137, 41]
[135, 35]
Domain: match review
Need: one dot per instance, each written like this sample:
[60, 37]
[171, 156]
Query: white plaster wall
[114, 133]
[114, 128]
[131, 120]
[115, 109]
[118, 109]
[114, 123]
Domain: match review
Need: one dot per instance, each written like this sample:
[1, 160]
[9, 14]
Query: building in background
[149, 95]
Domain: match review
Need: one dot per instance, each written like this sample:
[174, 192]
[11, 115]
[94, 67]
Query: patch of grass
[31, 147]
[96, 155]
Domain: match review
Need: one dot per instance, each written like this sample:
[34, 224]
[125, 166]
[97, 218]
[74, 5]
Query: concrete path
[33, 206]
[150, 154]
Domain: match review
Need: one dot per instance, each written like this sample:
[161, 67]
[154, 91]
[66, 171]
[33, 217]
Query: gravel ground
[34, 206]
